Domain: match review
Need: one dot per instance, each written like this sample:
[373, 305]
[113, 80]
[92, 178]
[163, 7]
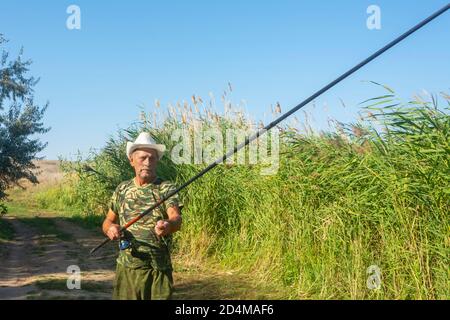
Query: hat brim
[160, 148]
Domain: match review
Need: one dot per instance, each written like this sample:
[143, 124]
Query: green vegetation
[3, 209]
[46, 226]
[374, 192]
[6, 230]
[52, 200]
[6, 234]
[88, 221]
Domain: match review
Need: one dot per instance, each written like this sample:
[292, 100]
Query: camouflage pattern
[142, 284]
[146, 250]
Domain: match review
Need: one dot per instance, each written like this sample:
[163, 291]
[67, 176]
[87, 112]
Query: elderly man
[144, 268]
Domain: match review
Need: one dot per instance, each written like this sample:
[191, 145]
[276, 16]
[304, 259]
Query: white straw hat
[144, 140]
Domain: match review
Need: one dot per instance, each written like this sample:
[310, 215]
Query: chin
[145, 175]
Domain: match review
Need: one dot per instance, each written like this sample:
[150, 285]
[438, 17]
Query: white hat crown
[145, 140]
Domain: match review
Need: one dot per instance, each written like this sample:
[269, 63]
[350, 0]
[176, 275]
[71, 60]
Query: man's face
[144, 162]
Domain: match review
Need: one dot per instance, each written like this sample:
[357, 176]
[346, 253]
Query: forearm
[111, 219]
[174, 219]
[106, 225]
[174, 224]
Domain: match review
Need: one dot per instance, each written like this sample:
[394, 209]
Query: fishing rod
[261, 131]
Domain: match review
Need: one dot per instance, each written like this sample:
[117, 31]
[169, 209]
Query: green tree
[20, 121]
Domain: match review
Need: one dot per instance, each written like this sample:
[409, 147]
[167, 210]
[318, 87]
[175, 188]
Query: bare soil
[35, 265]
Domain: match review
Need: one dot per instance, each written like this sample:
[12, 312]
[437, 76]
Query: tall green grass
[375, 192]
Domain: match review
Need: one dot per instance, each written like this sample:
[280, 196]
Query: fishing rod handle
[100, 245]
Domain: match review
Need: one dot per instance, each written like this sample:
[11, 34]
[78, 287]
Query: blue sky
[128, 53]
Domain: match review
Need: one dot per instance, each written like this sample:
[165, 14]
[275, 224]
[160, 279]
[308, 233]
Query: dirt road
[34, 265]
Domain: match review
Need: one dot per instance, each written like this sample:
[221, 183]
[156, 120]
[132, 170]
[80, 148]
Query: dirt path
[16, 267]
[34, 265]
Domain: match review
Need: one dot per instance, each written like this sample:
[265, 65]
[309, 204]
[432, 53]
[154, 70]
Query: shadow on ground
[36, 261]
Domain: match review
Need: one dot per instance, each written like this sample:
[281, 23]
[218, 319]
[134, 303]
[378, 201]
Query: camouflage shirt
[128, 201]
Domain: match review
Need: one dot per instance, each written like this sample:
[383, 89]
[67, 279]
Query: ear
[131, 158]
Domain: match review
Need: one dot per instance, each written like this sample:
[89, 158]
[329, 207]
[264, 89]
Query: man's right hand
[113, 232]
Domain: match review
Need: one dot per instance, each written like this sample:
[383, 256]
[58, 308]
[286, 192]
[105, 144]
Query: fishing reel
[124, 244]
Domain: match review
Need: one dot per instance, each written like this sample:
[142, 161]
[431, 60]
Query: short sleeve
[174, 200]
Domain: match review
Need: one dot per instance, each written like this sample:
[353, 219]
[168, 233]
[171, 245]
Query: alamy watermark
[374, 279]
[73, 21]
[209, 145]
[374, 20]
[74, 278]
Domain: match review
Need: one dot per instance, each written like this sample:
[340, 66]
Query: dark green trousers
[142, 284]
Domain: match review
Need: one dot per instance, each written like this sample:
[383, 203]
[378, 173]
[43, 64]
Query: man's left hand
[162, 228]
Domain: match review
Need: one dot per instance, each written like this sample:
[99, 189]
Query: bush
[3, 209]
